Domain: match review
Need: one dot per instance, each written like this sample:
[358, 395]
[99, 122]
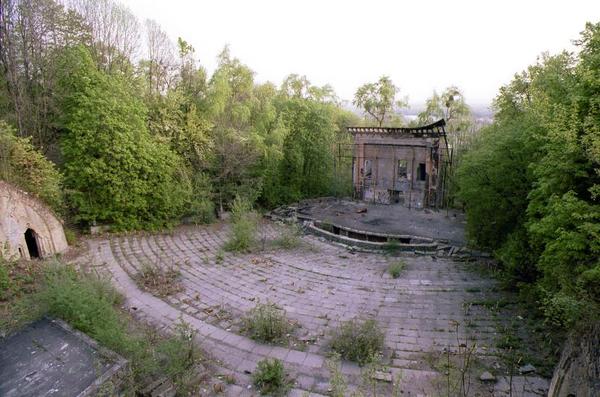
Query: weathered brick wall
[383, 152]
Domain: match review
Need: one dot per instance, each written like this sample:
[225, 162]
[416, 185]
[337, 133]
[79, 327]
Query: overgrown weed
[357, 340]
[267, 323]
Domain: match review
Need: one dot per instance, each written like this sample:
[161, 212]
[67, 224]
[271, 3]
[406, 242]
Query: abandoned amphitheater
[440, 305]
[445, 320]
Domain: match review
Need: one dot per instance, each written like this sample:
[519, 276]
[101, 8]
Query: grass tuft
[270, 378]
[396, 268]
[267, 323]
[358, 341]
[290, 237]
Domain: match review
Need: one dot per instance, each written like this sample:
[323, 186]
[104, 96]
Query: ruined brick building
[401, 165]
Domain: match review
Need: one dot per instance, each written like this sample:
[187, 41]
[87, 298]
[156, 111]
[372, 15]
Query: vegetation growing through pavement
[267, 323]
[358, 340]
[244, 226]
[396, 268]
[392, 247]
[530, 183]
[337, 382]
[457, 365]
[158, 281]
[290, 237]
[270, 378]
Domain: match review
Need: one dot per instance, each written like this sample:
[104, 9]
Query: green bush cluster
[4, 279]
[22, 165]
[270, 378]
[530, 183]
[267, 323]
[396, 268]
[290, 237]
[358, 341]
[244, 226]
[115, 171]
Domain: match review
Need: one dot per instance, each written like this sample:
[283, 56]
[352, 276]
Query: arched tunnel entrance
[32, 243]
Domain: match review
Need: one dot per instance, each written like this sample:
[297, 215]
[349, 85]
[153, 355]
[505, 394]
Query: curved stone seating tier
[318, 284]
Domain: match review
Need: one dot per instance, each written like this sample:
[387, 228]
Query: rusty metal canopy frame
[433, 130]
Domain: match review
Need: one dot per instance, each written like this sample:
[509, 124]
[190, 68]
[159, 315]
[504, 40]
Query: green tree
[307, 164]
[21, 164]
[378, 100]
[530, 184]
[115, 171]
[236, 151]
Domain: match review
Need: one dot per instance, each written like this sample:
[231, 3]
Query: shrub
[201, 208]
[561, 309]
[88, 303]
[358, 341]
[392, 247]
[396, 268]
[270, 378]
[242, 236]
[267, 323]
[290, 237]
[22, 165]
[4, 279]
[589, 282]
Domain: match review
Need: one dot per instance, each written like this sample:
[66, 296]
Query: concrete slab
[391, 219]
[49, 358]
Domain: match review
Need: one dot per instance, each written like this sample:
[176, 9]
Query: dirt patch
[158, 281]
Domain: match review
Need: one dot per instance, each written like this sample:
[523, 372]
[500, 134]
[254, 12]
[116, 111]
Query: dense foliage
[531, 183]
[114, 170]
[143, 143]
[25, 167]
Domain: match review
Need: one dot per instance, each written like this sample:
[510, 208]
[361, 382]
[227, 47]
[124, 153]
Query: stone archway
[32, 243]
[21, 211]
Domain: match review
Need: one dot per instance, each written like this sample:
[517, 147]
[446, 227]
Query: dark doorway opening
[421, 172]
[32, 245]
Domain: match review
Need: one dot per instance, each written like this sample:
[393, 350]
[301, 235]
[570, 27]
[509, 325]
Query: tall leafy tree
[378, 100]
[452, 107]
[531, 183]
[31, 32]
[307, 164]
[114, 170]
[231, 101]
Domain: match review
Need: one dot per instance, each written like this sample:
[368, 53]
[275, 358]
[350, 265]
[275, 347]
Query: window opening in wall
[421, 173]
[402, 170]
[368, 168]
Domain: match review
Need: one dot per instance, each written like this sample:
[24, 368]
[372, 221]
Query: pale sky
[421, 45]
